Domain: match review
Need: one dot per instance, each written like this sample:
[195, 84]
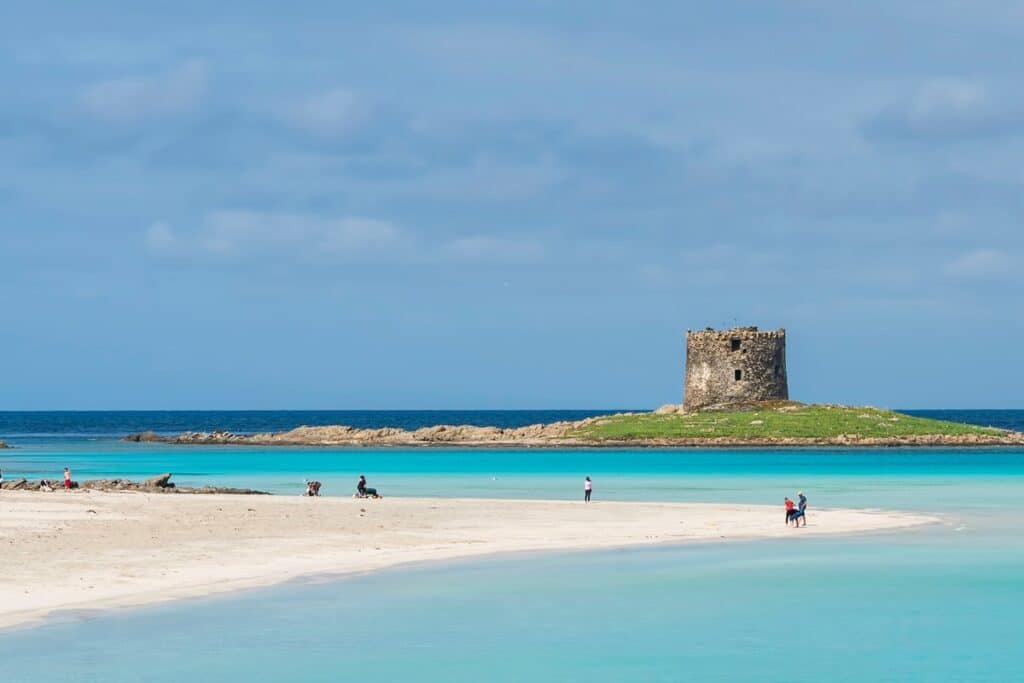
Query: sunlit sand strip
[84, 550]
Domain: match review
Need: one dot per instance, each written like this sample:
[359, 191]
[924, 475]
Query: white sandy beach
[94, 549]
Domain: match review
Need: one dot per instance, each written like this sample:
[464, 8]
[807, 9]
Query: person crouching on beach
[364, 491]
[67, 479]
[588, 486]
[789, 510]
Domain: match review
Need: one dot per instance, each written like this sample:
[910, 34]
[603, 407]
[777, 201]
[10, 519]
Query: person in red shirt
[789, 510]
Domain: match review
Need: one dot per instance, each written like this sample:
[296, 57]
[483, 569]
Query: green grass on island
[778, 420]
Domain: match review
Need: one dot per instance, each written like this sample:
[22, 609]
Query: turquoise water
[941, 604]
[892, 478]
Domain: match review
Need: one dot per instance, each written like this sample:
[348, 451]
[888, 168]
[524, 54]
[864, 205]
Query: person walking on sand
[67, 479]
[588, 487]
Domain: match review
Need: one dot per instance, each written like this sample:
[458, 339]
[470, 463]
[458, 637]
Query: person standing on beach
[588, 486]
[801, 508]
[67, 479]
[789, 510]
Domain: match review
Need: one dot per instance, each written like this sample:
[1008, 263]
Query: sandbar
[98, 549]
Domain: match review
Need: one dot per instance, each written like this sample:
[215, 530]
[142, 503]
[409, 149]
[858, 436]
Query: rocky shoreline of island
[555, 435]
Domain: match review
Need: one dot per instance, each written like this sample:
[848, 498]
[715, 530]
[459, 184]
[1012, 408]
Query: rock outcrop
[160, 484]
[3, 444]
[531, 435]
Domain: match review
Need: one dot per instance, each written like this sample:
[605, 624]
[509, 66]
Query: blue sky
[455, 205]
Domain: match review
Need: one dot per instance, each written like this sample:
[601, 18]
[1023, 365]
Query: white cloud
[982, 264]
[251, 234]
[329, 113]
[136, 98]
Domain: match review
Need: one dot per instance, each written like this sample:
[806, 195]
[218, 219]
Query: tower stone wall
[739, 365]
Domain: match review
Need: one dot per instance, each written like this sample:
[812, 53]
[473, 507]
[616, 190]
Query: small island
[764, 424]
[736, 393]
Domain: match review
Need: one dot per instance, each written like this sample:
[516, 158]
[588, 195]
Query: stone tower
[734, 366]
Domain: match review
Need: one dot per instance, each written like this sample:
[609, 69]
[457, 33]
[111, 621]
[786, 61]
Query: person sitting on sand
[789, 510]
[363, 491]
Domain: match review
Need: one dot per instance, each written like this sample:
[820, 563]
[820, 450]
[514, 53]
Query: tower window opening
[738, 374]
[734, 344]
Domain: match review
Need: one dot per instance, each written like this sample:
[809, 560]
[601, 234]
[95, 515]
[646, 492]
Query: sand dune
[94, 549]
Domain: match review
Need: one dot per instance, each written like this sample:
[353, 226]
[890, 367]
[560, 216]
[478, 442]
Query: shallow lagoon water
[938, 605]
[944, 603]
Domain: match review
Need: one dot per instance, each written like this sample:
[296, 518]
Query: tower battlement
[739, 365]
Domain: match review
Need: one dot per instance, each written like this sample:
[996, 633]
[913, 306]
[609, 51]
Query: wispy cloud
[979, 264]
[297, 239]
[331, 113]
[135, 98]
[492, 249]
[235, 234]
[946, 109]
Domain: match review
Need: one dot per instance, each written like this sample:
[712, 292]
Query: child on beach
[588, 486]
[67, 479]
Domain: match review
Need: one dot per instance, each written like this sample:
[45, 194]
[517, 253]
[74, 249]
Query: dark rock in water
[159, 482]
[3, 444]
[144, 436]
